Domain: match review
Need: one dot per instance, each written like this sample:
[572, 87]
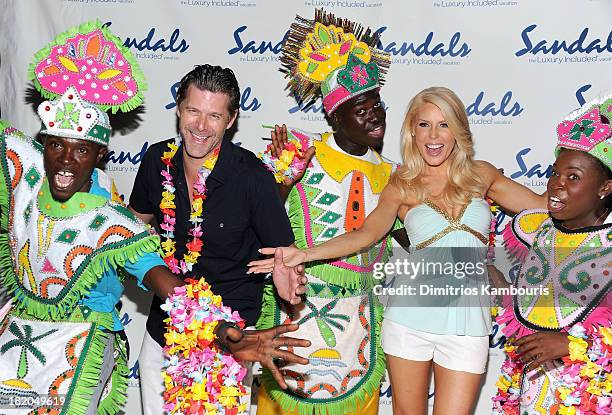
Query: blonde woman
[439, 193]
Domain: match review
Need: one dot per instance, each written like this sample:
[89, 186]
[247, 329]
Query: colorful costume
[59, 347]
[340, 316]
[573, 268]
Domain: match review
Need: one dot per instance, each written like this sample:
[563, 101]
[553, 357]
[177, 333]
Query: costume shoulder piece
[62, 249]
[57, 251]
[520, 232]
[566, 276]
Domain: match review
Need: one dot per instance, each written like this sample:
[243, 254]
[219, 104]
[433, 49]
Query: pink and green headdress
[333, 57]
[85, 72]
[588, 129]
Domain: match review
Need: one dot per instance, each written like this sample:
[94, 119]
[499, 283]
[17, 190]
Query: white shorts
[461, 353]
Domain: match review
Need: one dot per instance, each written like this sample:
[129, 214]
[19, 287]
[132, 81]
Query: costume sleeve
[22, 158]
[140, 199]
[142, 265]
[269, 219]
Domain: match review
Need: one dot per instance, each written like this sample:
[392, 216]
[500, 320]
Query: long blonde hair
[463, 179]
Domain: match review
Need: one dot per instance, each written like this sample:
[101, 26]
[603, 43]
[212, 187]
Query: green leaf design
[326, 332]
[324, 35]
[26, 342]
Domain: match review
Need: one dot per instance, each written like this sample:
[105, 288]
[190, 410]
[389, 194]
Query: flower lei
[586, 378]
[167, 206]
[507, 399]
[199, 378]
[290, 162]
[492, 235]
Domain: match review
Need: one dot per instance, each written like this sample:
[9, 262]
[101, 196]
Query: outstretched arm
[377, 224]
[161, 281]
[507, 193]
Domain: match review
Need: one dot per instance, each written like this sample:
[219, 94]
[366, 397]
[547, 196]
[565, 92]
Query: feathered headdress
[333, 57]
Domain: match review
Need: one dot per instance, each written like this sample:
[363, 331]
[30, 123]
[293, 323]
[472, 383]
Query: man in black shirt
[215, 205]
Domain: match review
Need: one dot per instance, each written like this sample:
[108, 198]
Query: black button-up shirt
[243, 212]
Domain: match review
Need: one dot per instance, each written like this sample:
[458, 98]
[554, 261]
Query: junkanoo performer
[64, 237]
[439, 193]
[337, 60]
[559, 350]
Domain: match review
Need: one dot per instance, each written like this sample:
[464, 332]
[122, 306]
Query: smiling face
[575, 189]
[360, 123]
[203, 118]
[69, 163]
[432, 135]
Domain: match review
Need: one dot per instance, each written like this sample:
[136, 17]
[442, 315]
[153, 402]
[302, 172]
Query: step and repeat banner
[518, 65]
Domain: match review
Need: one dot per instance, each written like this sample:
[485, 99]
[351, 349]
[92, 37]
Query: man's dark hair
[214, 79]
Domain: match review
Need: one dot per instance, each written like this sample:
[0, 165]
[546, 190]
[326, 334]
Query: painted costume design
[574, 268]
[58, 355]
[341, 314]
[52, 254]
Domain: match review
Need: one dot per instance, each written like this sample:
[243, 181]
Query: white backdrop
[518, 65]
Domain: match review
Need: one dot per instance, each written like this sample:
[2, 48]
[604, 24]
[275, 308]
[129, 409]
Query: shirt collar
[222, 168]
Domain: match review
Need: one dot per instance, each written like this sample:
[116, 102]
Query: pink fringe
[510, 325]
[517, 249]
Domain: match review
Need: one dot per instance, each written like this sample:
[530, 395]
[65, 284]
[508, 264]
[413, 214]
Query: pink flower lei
[167, 206]
[199, 377]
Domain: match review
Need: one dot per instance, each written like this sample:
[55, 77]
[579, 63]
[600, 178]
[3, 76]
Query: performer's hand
[264, 346]
[290, 282]
[279, 142]
[292, 257]
[541, 347]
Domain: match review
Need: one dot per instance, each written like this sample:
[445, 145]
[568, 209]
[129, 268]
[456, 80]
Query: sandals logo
[584, 48]
[312, 111]
[155, 46]
[483, 111]
[259, 51]
[248, 101]
[125, 161]
[528, 173]
[429, 51]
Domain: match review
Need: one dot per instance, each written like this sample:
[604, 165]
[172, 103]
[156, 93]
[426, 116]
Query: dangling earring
[602, 196]
[412, 134]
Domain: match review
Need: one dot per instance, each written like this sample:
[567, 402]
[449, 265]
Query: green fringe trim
[87, 372]
[117, 397]
[270, 317]
[85, 28]
[269, 309]
[113, 256]
[6, 264]
[331, 274]
[3, 125]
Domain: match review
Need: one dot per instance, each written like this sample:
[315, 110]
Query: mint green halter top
[432, 233]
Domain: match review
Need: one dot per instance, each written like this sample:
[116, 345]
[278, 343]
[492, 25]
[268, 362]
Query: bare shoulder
[402, 201]
[486, 170]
